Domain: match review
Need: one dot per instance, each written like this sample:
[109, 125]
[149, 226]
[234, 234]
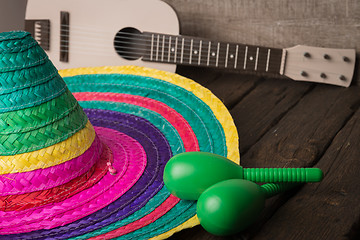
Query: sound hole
[129, 43]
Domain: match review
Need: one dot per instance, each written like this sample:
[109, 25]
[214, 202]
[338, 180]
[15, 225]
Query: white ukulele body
[93, 25]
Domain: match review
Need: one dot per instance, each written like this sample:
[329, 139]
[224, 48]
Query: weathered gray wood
[263, 107]
[301, 137]
[304, 133]
[231, 88]
[280, 23]
[330, 209]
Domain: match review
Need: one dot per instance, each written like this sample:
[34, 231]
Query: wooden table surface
[284, 123]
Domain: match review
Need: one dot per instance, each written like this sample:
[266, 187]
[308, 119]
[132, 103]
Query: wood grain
[333, 204]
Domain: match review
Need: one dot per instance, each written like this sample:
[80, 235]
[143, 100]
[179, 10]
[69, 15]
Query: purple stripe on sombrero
[146, 187]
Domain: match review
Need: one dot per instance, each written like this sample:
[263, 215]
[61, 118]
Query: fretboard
[185, 50]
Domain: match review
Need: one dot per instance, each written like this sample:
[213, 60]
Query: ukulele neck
[183, 50]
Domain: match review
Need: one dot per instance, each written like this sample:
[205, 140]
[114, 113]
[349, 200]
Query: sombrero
[83, 150]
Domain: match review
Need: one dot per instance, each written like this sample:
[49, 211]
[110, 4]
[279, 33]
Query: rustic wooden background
[275, 23]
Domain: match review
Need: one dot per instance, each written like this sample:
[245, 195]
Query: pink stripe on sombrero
[20, 202]
[172, 116]
[167, 205]
[41, 179]
[129, 160]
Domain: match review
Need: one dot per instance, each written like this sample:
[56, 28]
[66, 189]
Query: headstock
[322, 65]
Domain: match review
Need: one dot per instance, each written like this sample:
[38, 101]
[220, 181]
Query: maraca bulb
[188, 174]
[230, 206]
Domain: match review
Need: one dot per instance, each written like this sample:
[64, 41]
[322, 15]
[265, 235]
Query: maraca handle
[283, 174]
[272, 189]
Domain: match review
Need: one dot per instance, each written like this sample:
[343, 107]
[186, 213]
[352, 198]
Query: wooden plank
[279, 24]
[304, 133]
[263, 107]
[301, 137]
[232, 88]
[199, 75]
[332, 205]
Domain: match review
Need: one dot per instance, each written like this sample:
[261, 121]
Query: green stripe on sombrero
[27, 77]
[35, 117]
[23, 41]
[163, 92]
[32, 96]
[27, 56]
[45, 136]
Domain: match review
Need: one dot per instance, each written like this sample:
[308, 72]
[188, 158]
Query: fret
[257, 58]
[217, 55]
[191, 49]
[157, 47]
[208, 56]
[283, 57]
[182, 50]
[152, 47]
[245, 57]
[163, 48]
[236, 56]
[227, 55]
[267, 60]
[169, 49]
[176, 43]
[200, 46]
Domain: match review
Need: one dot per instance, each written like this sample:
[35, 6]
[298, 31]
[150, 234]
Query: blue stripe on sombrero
[178, 98]
[153, 141]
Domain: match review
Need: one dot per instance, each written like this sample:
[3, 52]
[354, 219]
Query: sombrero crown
[63, 177]
[46, 138]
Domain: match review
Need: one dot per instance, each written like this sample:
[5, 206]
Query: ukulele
[86, 33]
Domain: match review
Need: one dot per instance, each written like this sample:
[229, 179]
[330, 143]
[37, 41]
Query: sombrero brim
[144, 116]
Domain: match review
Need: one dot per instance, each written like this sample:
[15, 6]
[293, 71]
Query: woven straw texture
[53, 155]
[220, 111]
[41, 179]
[33, 118]
[54, 178]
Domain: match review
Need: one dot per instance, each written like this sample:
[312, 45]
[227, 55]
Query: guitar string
[144, 37]
[147, 38]
[187, 53]
[239, 67]
[147, 53]
[166, 48]
[195, 57]
[179, 36]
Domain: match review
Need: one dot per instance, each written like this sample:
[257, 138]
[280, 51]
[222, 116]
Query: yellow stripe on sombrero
[50, 156]
[218, 108]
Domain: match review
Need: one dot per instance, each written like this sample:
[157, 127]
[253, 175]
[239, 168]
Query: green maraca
[232, 205]
[188, 174]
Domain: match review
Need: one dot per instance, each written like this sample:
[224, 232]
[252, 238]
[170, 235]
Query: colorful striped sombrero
[82, 154]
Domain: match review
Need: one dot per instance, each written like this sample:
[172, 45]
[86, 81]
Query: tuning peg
[232, 205]
[187, 175]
